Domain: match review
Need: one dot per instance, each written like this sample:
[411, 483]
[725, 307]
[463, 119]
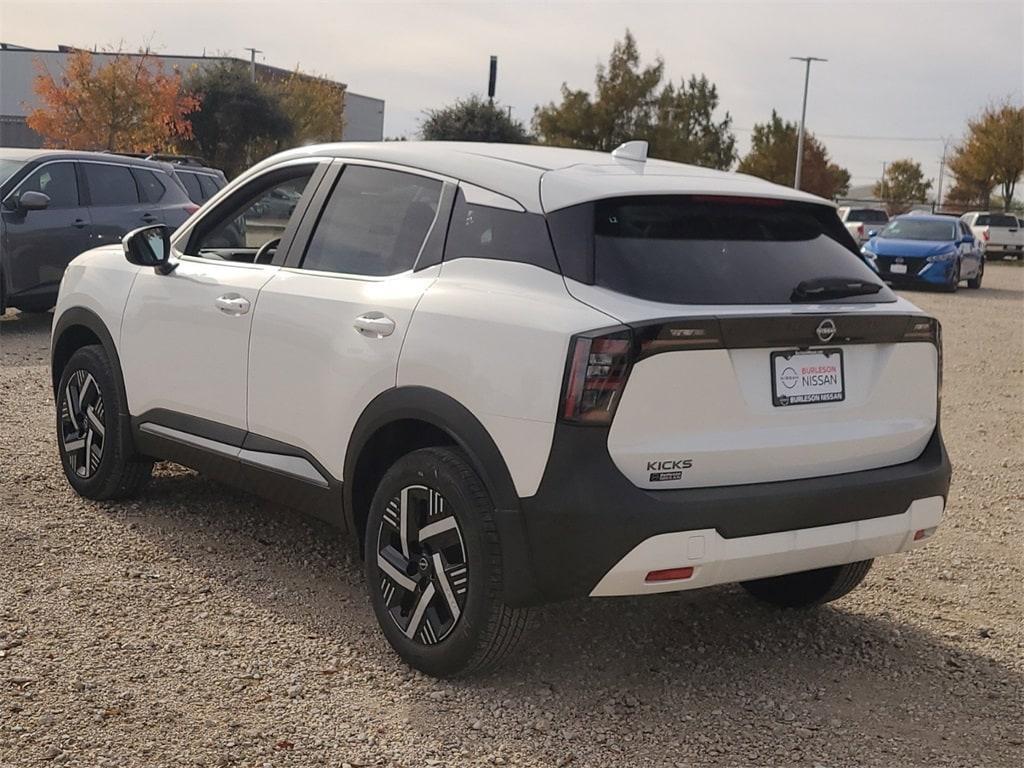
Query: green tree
[772, 156]
[992, 155]
[315, 105]
[631, 103]
[473, 119]
[902, 185]
[240, 121]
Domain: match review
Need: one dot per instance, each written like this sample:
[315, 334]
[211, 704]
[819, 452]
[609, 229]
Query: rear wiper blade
[822, 288]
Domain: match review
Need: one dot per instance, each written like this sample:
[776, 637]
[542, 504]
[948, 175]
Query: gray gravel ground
[197, 626]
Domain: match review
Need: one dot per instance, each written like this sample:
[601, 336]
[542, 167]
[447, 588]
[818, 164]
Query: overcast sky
[896, 70]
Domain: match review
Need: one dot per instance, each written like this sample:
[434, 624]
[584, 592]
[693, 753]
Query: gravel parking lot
[198, 626]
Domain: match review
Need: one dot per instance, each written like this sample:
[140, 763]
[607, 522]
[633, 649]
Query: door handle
[374, 325]
[79, 223]
[149, 218]
[232, 304]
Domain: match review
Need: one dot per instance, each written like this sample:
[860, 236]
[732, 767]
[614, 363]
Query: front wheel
[807, 588]
[434, 567]
[93, 436]
[954, 280]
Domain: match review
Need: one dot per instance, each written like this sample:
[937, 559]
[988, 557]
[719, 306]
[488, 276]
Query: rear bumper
[587, 518]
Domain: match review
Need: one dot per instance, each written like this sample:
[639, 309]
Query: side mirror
[33, 201]
[150, 247]
[872, 233]
[969, 239]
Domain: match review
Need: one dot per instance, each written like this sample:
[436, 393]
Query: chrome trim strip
[292, 466]
[187, 438]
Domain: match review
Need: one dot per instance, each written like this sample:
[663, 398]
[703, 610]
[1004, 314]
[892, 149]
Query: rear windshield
[920, 229]
[995, 220]
[867, 215]
[691, 250]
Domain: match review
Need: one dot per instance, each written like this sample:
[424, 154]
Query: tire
[975, 282]
[808, 588]
[954, 284]
[439, 602]
[92, 409]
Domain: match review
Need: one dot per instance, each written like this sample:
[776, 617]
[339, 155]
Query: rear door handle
[148, 217]
[374, 325]
[79, 223]
[232, 304]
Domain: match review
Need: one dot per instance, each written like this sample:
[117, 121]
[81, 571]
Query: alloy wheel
[81, 419]
[421, 559]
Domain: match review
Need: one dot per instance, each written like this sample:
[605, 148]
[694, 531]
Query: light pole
[803, 116]
[252, 61]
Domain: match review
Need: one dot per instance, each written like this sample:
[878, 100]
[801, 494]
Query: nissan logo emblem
[826, 330]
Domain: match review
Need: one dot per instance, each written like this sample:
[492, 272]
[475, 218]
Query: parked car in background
[55, 204]
[512, 392]
[201, 182]
[999, 234]
[860, 222]
[926, 249]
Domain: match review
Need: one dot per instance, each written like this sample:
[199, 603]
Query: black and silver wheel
[954, 280]
[92, 429]
[81, 423]
[809, 588]
[433, 566]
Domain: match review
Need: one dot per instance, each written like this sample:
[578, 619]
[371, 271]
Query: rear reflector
[670, 574]
[923, 533]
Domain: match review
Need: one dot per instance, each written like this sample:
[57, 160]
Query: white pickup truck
[861, 221]
[999, 234]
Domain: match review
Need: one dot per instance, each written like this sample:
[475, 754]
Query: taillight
[860, 230]
[985, 234]
[598, 368]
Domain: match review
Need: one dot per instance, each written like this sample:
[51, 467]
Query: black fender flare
[458, 422]
[85, 318]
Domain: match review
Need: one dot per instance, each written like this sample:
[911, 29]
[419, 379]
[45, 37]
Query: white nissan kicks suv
[517, 374]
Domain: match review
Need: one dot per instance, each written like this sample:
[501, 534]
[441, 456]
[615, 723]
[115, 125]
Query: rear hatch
[747, 342]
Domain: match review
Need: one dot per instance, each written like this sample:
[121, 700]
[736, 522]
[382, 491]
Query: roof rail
[164, 157]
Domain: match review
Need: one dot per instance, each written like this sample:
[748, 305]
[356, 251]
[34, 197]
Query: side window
[191, 182]
[253, 216]
[55, 180]
[208, 186]
[484, 232]
[374, 223]
[110, 184]
[151, 187]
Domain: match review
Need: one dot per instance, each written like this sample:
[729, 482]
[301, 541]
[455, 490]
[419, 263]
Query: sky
[900, 77]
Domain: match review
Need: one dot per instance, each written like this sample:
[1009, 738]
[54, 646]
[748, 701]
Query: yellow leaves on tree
[128, 104]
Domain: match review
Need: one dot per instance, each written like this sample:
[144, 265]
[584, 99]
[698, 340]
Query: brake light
[860, 230]
[985, 234]
[598, 368]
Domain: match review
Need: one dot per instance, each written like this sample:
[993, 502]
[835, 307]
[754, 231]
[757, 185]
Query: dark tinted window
[681, 250]
[208, 185]
[996, 220]
[867, 215]
[55, 180]
[374, 222]
[151, 185]
[191, 182]
[483, 232]
[110, 184]
[920, 229]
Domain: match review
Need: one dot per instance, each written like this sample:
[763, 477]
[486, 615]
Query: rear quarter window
[693, 250]
[483, 232]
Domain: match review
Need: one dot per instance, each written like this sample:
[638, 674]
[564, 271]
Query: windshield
[697, 250]
[9, 167]
[920, 229]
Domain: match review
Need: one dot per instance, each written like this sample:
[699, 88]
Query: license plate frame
[781, 399]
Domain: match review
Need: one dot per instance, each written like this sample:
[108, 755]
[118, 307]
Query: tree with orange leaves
[129, 104]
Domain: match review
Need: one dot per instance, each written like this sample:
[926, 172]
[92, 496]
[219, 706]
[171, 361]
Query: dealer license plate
[898, 269]
[807, 376]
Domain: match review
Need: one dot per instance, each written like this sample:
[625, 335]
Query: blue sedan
[926, 250]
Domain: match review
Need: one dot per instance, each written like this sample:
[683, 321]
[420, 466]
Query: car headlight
[870, 257]
[944, 256]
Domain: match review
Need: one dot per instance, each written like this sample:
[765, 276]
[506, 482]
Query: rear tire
[438, 597]
[807, 588]
[93, 433]
[975, 282]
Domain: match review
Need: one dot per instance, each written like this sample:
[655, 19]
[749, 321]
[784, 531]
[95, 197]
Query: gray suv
[54, 204]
